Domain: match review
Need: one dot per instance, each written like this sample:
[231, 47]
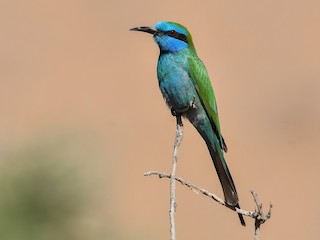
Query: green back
[201, 81]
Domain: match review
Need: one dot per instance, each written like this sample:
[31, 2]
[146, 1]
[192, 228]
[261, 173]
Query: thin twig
[261, 217]
[258, 215]
[178, 139]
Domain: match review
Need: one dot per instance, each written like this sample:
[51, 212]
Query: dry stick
[261, 218]
[258, 215]
[178, 139]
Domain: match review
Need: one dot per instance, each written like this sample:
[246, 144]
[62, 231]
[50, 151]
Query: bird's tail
[243, 223]
[198, 117]
[228, 187]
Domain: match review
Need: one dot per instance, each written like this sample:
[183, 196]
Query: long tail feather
[228, 187]
[243, 223]
[224, 175]
[198, 117]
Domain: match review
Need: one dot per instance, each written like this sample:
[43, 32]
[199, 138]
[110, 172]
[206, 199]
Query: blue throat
[169, 44]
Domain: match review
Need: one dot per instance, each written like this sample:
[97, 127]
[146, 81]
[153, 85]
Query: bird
[186, 88]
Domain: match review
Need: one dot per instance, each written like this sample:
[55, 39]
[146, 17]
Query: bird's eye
[172, 32]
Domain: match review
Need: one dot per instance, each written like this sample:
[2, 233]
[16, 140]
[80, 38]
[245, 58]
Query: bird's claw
[192, 104]
[175, 112]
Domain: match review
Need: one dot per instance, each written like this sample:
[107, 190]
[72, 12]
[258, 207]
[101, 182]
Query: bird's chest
[174, 81]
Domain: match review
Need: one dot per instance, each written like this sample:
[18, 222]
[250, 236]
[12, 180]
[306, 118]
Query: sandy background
[72, 70]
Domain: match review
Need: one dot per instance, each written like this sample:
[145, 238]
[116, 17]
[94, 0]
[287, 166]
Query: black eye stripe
[176, 35]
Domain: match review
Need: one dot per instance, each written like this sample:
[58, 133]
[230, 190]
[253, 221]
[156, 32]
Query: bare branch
[178, 139]
[260, 217]
[258, 214]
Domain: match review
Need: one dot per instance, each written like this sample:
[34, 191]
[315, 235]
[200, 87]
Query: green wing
[201, 81]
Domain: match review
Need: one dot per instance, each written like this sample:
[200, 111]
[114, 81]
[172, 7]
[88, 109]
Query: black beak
[145, 29]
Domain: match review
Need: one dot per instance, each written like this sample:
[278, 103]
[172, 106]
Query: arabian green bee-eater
[187, 90]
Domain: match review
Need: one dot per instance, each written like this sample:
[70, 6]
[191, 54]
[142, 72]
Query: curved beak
[145, 29]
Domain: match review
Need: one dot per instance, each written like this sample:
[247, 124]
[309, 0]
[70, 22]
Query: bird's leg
[179, 120]
[175, 112]
[192, 104]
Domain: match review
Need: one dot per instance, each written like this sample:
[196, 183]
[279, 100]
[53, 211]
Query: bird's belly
[177, 92]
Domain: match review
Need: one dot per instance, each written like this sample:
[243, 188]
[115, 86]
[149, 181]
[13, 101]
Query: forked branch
[258, 214]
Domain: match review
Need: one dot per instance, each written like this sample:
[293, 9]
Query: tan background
[73, 68]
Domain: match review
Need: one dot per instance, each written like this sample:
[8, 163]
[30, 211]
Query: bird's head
[170, 36]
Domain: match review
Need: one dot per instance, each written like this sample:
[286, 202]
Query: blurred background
[81, 119]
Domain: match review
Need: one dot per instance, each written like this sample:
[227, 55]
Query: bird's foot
[192, 104]
[175, 112]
